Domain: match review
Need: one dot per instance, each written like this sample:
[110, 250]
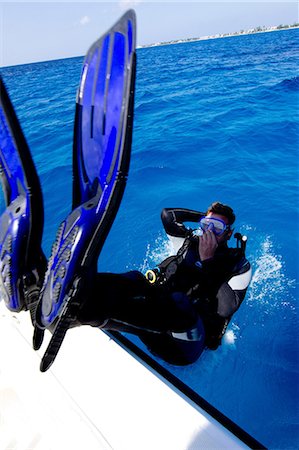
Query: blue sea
[214, 120]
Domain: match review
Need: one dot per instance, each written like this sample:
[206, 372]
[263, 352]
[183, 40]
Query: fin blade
[22, 221]
[102, 107]
[101, 155]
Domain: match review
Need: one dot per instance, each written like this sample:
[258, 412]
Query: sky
[41, 31]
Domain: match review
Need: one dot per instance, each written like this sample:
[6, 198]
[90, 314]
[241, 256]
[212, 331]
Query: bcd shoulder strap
[169, 266]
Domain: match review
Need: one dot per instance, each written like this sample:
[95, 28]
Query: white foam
[230, 337]
[269, 281]
[160, 250]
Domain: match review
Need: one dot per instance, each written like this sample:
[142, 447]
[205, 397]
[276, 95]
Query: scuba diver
[187, 301]
[177, 309]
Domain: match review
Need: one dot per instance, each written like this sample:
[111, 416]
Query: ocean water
[214, 120]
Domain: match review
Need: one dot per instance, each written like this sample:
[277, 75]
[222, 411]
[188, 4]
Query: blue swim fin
[101, 155]
[22, 262]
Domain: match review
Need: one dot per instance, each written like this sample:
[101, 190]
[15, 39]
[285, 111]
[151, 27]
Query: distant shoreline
[224, 35]
[177, 41]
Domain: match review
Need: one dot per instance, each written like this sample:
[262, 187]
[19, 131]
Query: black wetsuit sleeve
[173, 220]
[231, 293]
[229, 300]
[225, 290]
[223, 297]
[228, 294]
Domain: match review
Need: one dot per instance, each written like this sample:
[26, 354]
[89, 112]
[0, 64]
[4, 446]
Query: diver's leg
[130, 299]
[172, 350]
[166, 323]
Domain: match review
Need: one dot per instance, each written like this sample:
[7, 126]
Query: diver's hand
[207, 245]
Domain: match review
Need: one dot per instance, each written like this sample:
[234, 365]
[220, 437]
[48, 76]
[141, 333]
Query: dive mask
[218, 226]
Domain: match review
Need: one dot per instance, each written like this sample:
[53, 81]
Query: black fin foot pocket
[63, 323]
[38, 337]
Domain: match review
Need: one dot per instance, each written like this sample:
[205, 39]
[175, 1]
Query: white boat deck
[95, 396]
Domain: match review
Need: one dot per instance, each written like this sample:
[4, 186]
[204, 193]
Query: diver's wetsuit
[166, 317]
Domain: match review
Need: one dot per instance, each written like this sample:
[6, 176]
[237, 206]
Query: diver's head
[222, 210]
[219, 218]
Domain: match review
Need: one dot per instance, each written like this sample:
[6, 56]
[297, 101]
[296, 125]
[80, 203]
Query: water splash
[231, 335]
[270, 285]
[161, 249]
[157, 252]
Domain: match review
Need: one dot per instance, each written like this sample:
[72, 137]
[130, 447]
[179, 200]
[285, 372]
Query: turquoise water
[214, 120]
